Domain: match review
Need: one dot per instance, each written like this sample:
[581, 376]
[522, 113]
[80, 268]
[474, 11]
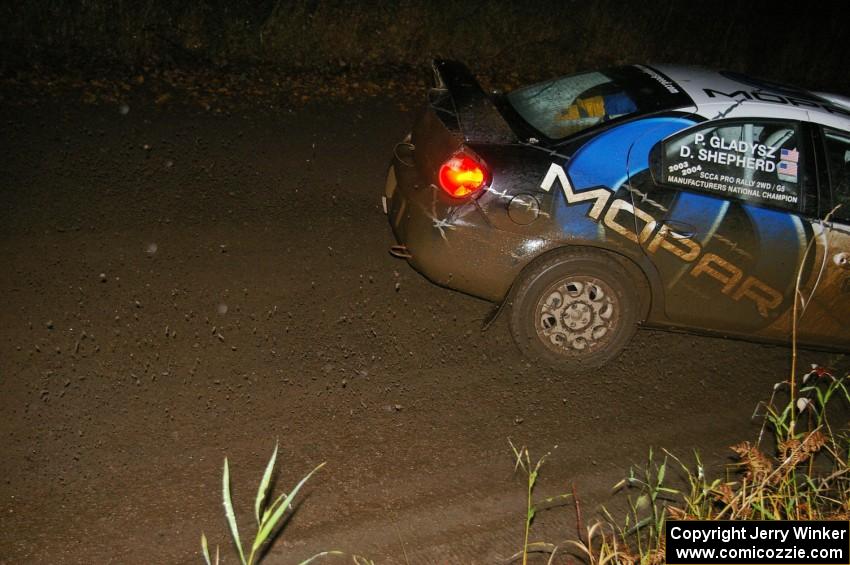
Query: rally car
[662, 196]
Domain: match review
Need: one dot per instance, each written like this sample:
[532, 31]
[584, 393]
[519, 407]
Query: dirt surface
[180, 286]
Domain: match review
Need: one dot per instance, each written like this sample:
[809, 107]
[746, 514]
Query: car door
[825, 311]
[730, 197]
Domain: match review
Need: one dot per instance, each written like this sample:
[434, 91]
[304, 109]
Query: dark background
[799, 42]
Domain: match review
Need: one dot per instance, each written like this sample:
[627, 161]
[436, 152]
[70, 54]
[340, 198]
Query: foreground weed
[598, 544]
[523, 461]
[644, 524]
[268, 517]
[797, 469]
[802, 474]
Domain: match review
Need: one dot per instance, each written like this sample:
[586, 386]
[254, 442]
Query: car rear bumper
[450, 244]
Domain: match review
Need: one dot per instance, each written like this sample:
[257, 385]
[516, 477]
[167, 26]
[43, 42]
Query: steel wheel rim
[577, 315]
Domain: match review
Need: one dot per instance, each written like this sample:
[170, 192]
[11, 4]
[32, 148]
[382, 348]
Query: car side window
[838, 157]
[759, 162]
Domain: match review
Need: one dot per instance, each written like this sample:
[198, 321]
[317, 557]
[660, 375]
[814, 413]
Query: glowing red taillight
[462, 175]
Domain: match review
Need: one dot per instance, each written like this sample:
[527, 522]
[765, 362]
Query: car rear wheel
[574, 310]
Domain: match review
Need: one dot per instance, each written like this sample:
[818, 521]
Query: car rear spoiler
[478, 119]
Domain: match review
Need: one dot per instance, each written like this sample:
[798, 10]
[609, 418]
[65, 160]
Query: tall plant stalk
[799, 300]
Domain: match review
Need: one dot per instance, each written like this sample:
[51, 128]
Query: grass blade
[319, 556]
[205, 549]
[270, 524]
[271, 507]
[264, 485]
[228, 510]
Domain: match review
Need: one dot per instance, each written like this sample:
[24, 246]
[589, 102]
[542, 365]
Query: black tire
[574, 310]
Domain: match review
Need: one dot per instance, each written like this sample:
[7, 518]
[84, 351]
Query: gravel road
[183, 286]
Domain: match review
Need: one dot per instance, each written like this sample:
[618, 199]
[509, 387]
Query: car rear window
[565, 106]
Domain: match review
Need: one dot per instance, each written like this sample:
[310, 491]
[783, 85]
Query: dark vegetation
[509, 41]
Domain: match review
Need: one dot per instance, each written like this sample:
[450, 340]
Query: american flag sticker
[790, 155]
[787, 170]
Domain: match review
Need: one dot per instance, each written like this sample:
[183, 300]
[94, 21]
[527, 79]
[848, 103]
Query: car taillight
[462, 175]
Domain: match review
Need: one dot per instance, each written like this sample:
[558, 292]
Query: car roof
[718, 94]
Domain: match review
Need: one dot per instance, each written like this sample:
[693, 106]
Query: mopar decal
[599, 196]
[774, 98]
[621, 214]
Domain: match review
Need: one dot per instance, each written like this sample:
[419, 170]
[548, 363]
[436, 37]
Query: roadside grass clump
[269, 518]
[802, 475]
[797, 468]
